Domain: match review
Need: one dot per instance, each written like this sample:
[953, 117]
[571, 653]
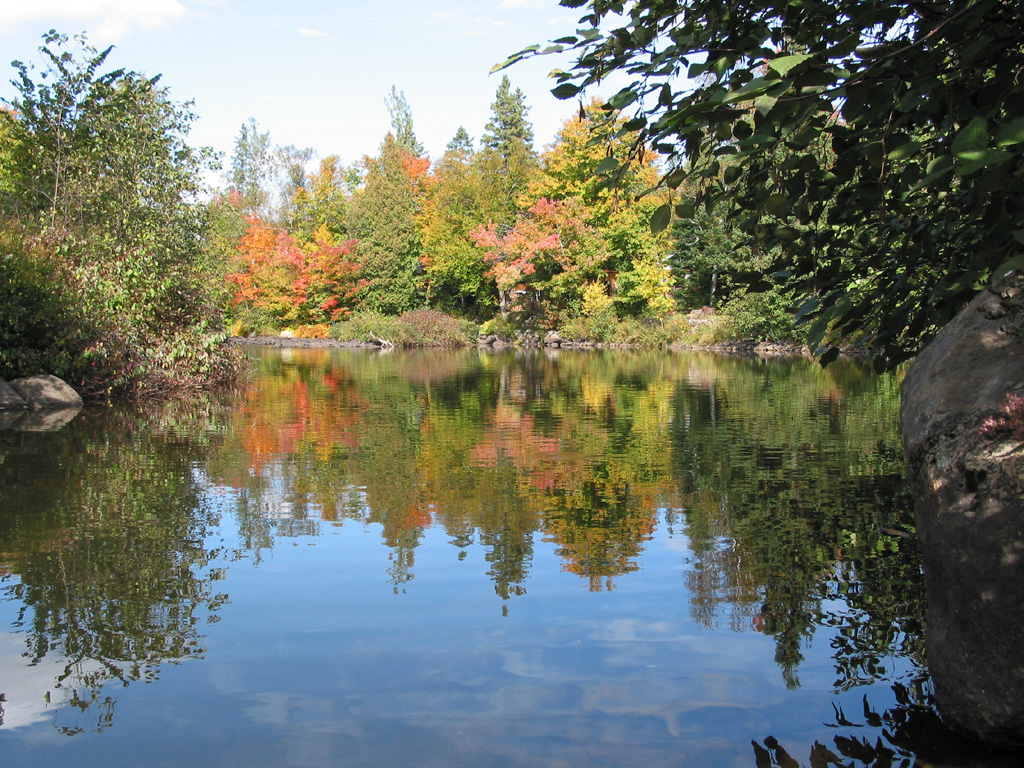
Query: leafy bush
[368, 326]
[597, 320]
[717, 329]
[576, 329]
[643, 332]
[416, 328]
[436, 329]
[498, 326]
[316, 331]
[250, 320]
[108, 286]
[469, 329]
[600, 328]
[647, 332]
[762, 317]
[39, 332]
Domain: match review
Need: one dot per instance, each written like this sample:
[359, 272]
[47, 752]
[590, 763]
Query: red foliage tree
[551, 249]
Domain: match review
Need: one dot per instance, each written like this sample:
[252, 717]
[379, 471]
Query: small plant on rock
[1009, 422]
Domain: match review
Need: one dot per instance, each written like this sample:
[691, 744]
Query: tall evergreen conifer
[507, 160]
[401, 123]
[461, 142]
[383, 220]
[508, 132]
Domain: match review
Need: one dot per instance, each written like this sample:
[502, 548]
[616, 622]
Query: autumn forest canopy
[818, 172]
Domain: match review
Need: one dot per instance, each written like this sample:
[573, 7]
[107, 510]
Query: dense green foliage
[453, 204]
[507, 159]
[38, 331]
[550, 240]
[106, 283]
[499, 227]
[874, 149]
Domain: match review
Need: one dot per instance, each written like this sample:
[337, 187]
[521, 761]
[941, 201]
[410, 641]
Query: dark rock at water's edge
[552, 340]
[750, 348]
[967, 478]
[8, 419]
[37, 404]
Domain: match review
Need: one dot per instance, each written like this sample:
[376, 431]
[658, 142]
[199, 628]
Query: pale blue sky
[315, 72]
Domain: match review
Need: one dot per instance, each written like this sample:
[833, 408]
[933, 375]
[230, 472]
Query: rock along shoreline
[37, 404]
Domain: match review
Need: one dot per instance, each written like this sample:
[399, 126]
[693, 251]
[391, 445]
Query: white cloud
[568, 23]
[103, 19]
[480, 25]
[528, 4]
[312, 33]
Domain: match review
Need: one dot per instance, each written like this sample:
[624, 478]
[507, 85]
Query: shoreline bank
[758, 348]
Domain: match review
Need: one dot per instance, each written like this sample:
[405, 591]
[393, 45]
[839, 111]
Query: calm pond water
[467, 559]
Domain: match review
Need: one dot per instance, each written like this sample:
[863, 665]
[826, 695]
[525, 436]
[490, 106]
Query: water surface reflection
[458, 558]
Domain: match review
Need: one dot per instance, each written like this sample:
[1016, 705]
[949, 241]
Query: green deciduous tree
[584, 162]
[452, 207]
[877, 146]
[290, 162]
[323, 200]
[589, 162]
[252, 168]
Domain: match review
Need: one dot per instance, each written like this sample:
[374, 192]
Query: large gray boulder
[968, 487]
[46, 392]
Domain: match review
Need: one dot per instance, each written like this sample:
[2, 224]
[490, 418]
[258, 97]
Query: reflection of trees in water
[597, 537]
[789, 474]
[786, 473]
[112, 570]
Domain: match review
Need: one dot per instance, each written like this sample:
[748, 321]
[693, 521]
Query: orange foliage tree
[279, 281]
